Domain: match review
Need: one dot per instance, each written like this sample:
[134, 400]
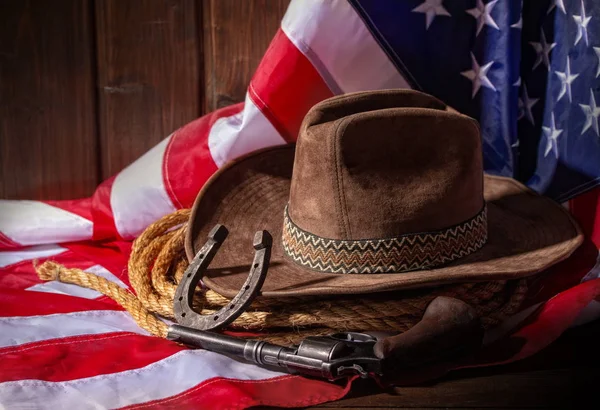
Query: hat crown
[385, 164]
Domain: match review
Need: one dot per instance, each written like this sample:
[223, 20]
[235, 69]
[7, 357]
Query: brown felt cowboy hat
[383, 191]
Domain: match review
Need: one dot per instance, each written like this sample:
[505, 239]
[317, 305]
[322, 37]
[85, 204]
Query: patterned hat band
[394, 255]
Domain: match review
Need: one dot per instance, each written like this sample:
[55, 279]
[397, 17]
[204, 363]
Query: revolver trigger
[354, 369]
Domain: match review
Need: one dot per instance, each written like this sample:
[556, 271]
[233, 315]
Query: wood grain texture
[148, 75]
[47, 101]
[236, 35]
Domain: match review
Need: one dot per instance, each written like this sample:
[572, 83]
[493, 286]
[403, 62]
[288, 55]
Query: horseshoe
[185, 315]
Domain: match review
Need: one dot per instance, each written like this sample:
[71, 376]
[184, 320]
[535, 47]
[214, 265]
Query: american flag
[528, 72]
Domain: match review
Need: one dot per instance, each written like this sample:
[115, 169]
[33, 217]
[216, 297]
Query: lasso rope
[157, 263]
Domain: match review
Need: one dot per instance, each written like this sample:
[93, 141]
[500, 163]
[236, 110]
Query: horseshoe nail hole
[232, 306]
[183, 315]
[180, 298]
[216, 318]
[246, 287]
[255, 265]
[189, 275]
[201, 255]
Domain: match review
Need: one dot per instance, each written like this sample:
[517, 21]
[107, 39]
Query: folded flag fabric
[528, 72]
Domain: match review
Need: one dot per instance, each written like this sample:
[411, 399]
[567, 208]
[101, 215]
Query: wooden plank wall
[87, 86]
[148, 55]
[237, 34]
[48, 134]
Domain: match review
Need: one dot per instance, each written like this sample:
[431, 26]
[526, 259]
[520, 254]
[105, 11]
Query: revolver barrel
[258, 352]
[214, 342]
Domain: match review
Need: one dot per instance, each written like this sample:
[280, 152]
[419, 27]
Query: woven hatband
[393, 255]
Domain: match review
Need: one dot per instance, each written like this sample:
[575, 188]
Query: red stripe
[586, 209]
[113, 256]
[6, 243]
[538, 331]
[563, 275]
[15, 302]
[81, 207]
[282, 391]
[187, 163]
[285, 86]
[77, 357]
[543, 327]
[102, 216]
[22, 275]
[82, 255]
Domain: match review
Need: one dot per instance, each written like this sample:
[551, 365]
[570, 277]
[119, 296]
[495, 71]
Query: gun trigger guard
[185, 315]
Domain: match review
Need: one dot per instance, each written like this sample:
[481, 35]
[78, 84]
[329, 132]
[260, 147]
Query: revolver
[447, 327]
[331, 357]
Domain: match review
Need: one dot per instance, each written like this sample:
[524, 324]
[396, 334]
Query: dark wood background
[87, 86]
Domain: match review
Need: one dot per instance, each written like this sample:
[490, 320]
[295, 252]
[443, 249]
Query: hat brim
[527, 233]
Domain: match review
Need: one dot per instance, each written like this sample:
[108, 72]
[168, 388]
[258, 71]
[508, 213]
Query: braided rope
[157, 263]
[53, 271]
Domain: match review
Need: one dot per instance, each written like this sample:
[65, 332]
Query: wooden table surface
[562, 376]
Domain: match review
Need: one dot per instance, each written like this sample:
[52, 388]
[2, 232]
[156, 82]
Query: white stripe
[592, 311]
[138, 196]
[35, 252]
[338, 44]
[27, 329]
[594, 273]
[589, 313]
[36, 223]
[74, 290]
[239, 134]
[159, 380]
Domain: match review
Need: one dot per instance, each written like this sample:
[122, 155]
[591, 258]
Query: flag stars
[519, 24]
[557, 4]
[478, 75]
[591, 112]
[526, 104]
[483, 15]
[431, 9]
[552, 134]
[582, 23]
[566, 79]
[542, 50]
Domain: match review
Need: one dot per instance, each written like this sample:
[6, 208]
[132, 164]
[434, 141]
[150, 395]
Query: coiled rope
[158, 261]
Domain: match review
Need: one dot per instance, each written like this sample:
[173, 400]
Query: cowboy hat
[383, 190]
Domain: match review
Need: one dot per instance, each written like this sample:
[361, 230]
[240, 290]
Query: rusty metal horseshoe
[185, 315]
